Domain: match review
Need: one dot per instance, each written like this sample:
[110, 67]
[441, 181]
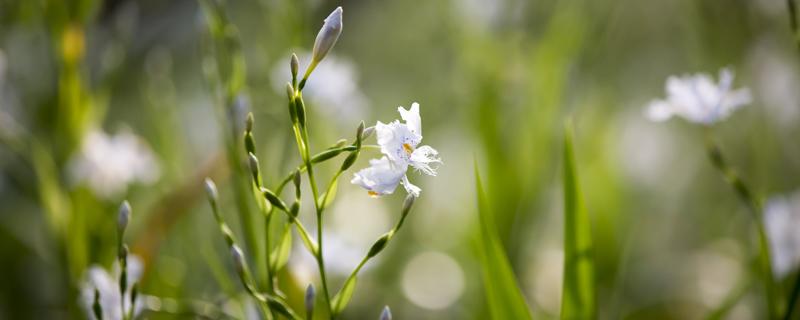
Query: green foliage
[577, 297]
[503, 295]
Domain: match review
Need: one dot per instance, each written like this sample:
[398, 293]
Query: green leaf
[329, 195]
[279, 256]
[342, 298]
[577, 299]
[503, 295]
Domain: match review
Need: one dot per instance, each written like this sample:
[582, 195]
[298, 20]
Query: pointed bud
[253, 162]
[289, 91]
[300, 110]
[311, 295]
[273, 199]
[349, 161]
[386, 314]
[295, 65]
[295, 209]
[248, 122]
[297, 183]
[328, 35]
[238, 261]
[359, 133]
[339, 143]
[96, 307]
[123, 217]
[367, 133]
[211, 191]
[378, 246]
[407, 203]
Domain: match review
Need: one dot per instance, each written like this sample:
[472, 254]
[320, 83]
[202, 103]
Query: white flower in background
[333, 89]
[698, 99]
[399, 143]
[782, 222]
[108, 164]
[108, 286]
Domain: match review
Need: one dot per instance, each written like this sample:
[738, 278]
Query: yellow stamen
[372, 194]
[407, 147]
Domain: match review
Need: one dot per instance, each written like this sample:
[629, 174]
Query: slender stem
[793, 298]
[744, 193]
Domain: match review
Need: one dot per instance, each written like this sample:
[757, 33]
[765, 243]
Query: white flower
[399, 143]
[698, 99]
[108, 164]
[108, 286]
[782, 220]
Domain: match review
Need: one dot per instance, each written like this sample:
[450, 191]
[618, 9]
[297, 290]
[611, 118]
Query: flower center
[408, 148]
[372, 194]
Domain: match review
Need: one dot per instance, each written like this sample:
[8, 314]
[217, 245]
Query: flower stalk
[753, 205]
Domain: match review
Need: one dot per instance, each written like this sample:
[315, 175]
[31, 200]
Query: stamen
[407, 147]
[372, 194]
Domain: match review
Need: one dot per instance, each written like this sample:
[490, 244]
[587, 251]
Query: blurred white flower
[698, 99]
[782, 221]
[333, 89]
[398, 142]
[108, 164]
[108, 286]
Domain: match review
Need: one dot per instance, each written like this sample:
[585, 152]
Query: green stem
[793, 298]
[744, 194]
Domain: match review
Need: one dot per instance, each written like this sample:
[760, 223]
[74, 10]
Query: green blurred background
[495, 80]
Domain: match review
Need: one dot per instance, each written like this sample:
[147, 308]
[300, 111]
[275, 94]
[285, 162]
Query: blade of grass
[503, 295]
[577, 297]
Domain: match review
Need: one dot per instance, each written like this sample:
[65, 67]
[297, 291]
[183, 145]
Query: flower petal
[410, 188]
[380, 178]
[422, 158]
[412, 118]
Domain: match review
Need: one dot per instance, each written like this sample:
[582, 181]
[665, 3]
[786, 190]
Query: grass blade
[577, 298]
[503, 295]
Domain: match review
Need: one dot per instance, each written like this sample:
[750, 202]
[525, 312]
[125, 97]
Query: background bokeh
[495, 81]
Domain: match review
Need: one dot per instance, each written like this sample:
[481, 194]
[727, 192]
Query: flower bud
[295, 65]
[289, 91]
[96, 307]
[311, 294]
[386, 314]
[378, 246]
[359, 133]
[297, 183]
[273, 199]
[407, 203]
[211, 191]
[367, 132]
[253, 162]
[327, 36]
[123, 217]
[238, 261]
[349, 161]
[248, 122]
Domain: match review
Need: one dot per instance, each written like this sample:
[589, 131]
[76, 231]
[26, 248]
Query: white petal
[381, 177]
[422, 158]
[659, 110]
[410, 188]
[412, 118]
[396, 140]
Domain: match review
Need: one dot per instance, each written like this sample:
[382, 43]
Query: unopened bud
[273, 199]
[248, 122]
[386, 314]
[359, 133]
[328, 35]
[311, 295]
[297, 183]
[238, 261]
[295, 65]
[123, 217]
[367, 133]
[300, 110]
[289, 91]
[295, 209]
[407, 203]
[211, 191]
[378, 246]
[253, 162]
[349, 161]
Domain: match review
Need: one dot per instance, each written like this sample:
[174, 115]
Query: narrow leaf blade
[503, 295]
[577, 299]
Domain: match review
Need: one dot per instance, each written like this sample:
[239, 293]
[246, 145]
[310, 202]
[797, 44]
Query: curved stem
[744, 194]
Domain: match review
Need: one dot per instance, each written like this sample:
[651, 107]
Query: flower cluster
[399, 144]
